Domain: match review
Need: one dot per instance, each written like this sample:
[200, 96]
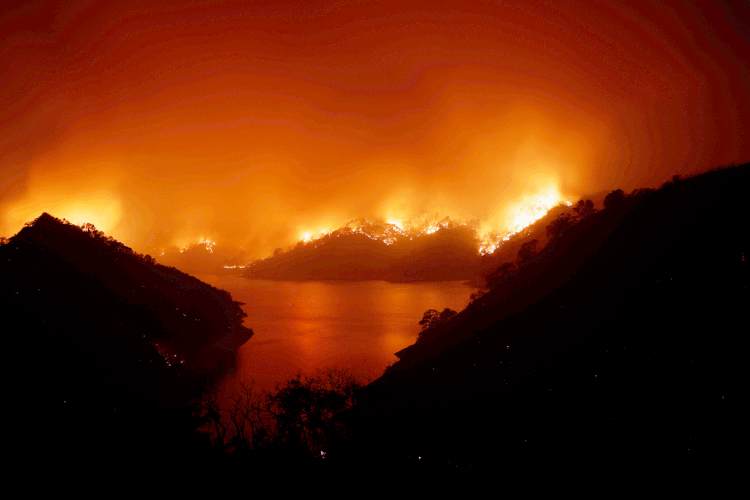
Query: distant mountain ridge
[366, 250]
[448, 254]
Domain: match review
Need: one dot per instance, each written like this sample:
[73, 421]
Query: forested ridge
[112, 349]
[612, 347]
[614, 350]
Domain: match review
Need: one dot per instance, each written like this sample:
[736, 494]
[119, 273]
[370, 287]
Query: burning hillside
[416, 249]
[420, 248]
[391, 231]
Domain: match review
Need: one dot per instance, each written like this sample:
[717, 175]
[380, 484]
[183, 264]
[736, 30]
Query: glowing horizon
[250, 124]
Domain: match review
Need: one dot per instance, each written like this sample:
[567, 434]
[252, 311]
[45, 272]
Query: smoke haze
[252, 123]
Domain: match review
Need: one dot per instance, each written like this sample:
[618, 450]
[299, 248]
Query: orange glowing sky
[253, 122]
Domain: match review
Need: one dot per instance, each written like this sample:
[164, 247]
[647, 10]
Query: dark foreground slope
[88, 325]
[618, 352]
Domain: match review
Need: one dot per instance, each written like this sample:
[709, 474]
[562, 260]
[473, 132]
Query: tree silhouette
[500, 274]
[527, 252]
[614, 199]
[565, 220]
[429, 318]
[447, 314]
[298, 421]
[559, 225]
[584, 208]
[641, 192]
[432, 317]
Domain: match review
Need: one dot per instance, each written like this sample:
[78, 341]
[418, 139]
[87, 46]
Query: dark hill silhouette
[616, 352]
[450, 253]
[447, 254]
[508, 251]
[202, 258]
[114, 347]
[352, 256]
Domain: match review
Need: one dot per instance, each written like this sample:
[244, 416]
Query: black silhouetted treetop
[565, 220]
[560, 224]
[305, 407]
[641, 192]
[614, 199]
[301, 418]
[432, 317]
[527, 252]
[500, 274]
[584, 208]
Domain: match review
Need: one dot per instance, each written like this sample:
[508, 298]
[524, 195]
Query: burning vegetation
[411, 249]
[391, 231]
[397, 249]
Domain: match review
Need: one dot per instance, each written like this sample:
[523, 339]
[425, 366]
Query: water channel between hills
[306, 326]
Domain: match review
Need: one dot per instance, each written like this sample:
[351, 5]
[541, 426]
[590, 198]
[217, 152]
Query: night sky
[252, 122]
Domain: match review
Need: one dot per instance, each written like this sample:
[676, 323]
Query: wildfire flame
[527, 211]
[203, 241]
[534, 208]
[523, 214]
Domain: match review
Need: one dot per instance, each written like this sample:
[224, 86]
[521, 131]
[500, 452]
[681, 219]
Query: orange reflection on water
[315, 325]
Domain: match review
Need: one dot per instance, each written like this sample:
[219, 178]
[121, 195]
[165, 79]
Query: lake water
[306, 326]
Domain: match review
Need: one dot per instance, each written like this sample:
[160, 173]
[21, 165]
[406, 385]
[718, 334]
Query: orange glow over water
[316, 325]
